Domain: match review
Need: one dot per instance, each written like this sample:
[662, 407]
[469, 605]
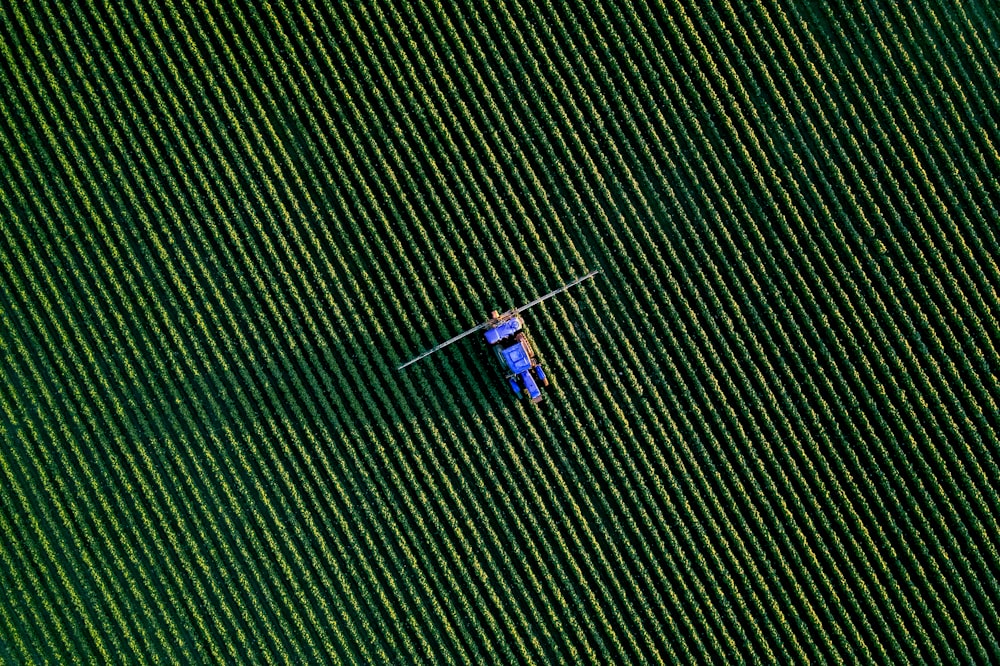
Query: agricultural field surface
[772, 430]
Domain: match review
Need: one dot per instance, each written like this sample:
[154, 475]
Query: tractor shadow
[334, 390]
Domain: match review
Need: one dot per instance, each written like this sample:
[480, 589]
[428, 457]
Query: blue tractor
[509, 340]
[506, 334]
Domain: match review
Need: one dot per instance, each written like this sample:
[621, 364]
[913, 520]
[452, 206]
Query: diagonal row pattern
[772, 430]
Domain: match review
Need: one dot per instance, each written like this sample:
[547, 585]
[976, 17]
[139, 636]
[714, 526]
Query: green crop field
[772, 430]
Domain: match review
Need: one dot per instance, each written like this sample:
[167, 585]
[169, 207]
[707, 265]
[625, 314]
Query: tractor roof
[516, 357]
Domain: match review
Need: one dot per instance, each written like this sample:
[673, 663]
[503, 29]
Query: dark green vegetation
[770, 435]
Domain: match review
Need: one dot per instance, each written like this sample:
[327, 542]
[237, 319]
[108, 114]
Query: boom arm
[444, 344]
[557, 291]
[486, 323]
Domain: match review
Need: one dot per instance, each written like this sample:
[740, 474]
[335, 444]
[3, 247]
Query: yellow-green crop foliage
[771, 434]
